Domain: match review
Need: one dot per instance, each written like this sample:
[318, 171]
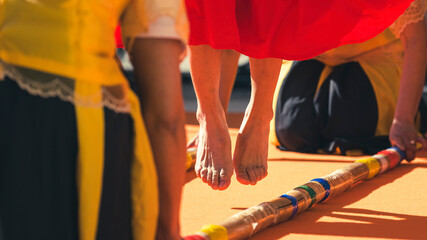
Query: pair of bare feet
[215, 163]
[213, 72]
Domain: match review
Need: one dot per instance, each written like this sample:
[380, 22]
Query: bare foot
[251, 152]
[213, 163]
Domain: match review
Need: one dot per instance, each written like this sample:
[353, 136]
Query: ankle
[258, 119]
[211, 115]
[259, 112]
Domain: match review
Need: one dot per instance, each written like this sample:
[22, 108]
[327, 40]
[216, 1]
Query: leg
[157, 75]
[229, 66]
[250, 155]
[213, 164]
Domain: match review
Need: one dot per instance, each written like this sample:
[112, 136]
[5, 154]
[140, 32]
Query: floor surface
[390, 206]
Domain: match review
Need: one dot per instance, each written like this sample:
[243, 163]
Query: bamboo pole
[254, 219]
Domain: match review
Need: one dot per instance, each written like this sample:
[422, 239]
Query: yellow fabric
[90, 164]
[215, 232]
[56, 37]
[75, 39]
[323, 75]
[373, 164]
[90, 122]
[189, 161]
[355, 52]
[90, 171]
[385, 80]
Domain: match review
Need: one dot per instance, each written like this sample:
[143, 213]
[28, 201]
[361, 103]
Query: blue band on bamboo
[400, 151]
[325, 185]
[310, 191]
[294, 204]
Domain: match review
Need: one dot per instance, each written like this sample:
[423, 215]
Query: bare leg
[213, 163]
[250, 154]
[159, 81]
[229, 66]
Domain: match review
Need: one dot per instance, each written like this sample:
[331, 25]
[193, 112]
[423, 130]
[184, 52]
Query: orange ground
[390, 206]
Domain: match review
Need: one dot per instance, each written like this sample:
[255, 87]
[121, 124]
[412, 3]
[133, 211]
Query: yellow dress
[74, 41]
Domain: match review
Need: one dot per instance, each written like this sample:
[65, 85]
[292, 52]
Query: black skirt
[38, 157]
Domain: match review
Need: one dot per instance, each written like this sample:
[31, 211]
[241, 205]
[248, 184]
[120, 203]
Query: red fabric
[118, 35]
[288, 29]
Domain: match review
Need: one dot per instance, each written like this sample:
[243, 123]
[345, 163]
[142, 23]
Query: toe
[215, 180]
[258, 173]
[224, 180]
[223, 184]
[243, 177]
[262, 171]
[197, 169]
[252, 175]
[209, 177]
[204, 175]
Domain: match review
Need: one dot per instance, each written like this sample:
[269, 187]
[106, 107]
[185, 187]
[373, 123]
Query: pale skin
[403, 133]
[157, 73]
[229, 65]
[215, 163]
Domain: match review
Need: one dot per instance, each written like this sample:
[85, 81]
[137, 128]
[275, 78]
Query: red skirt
[288, 29]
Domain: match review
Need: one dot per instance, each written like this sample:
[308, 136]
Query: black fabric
[346, 104]
[423, 115]
[297, 127]
[38, 152]
[1, 231]
[342, 113]
[368, 145]
[115, 212]
[423, 109]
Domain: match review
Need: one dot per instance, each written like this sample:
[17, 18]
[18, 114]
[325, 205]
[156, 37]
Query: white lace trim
[57, 87]
[413, 14]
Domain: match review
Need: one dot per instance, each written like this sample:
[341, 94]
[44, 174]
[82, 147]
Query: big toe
[261, 172]
[224, 179]
[224, 184]
[251, 175]
[204, 175]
